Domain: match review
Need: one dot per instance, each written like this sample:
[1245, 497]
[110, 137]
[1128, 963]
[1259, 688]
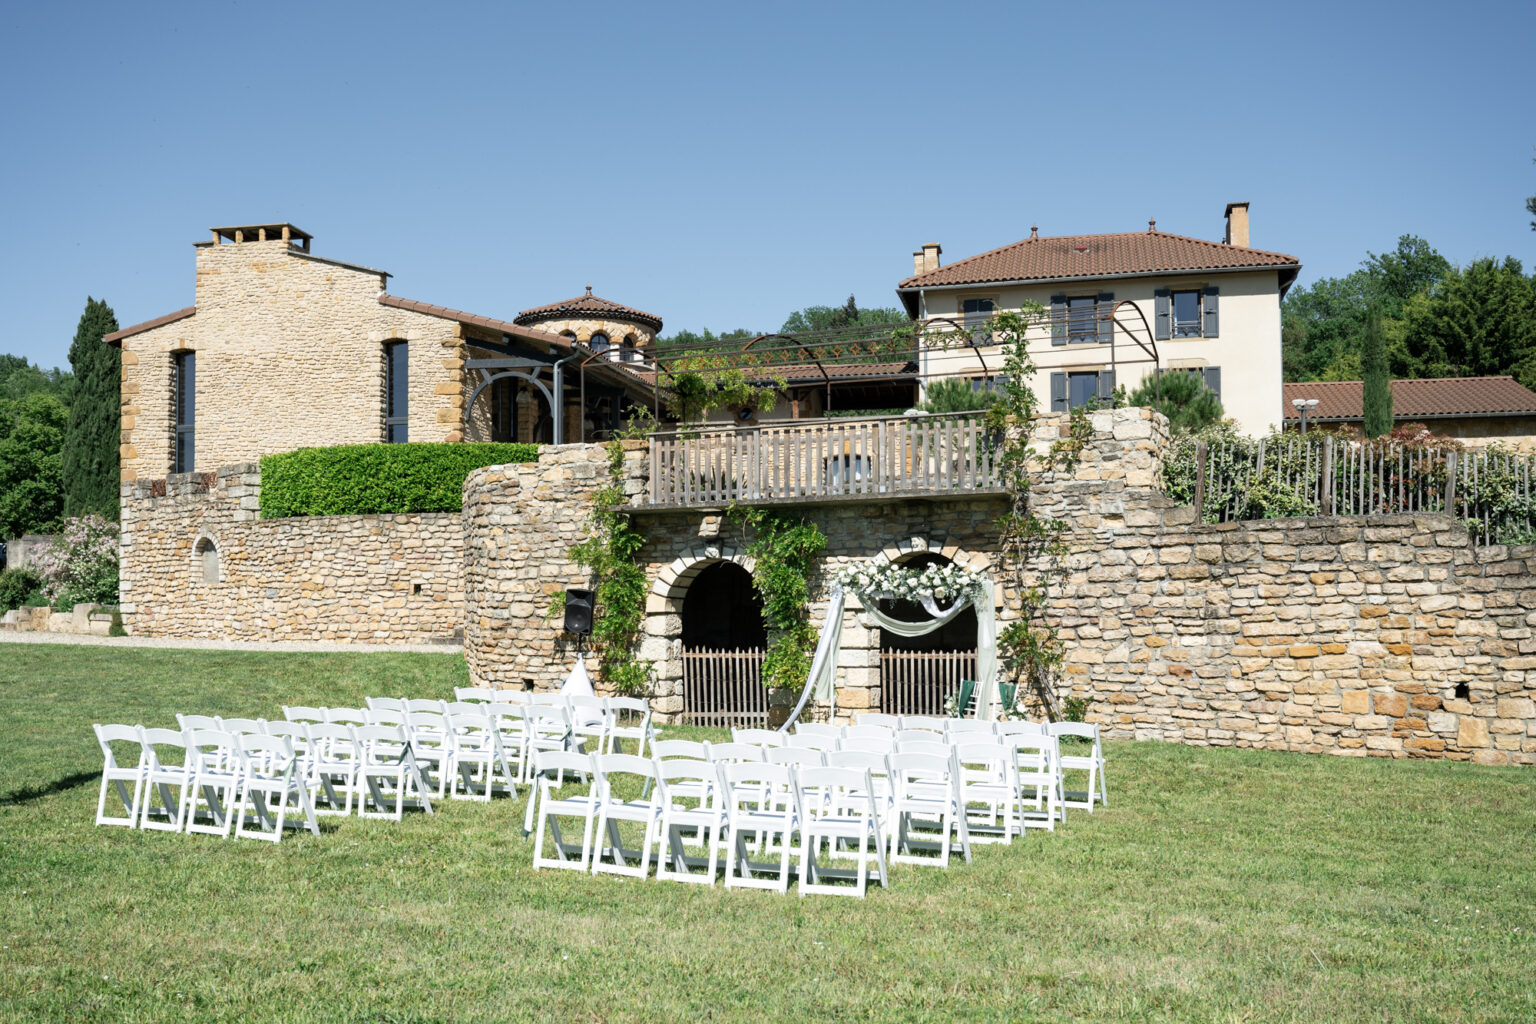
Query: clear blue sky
[721, 164]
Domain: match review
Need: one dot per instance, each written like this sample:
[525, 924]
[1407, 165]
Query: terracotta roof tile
[1434, 398]
[149, 325]
[588, 305]
[500, 326]
[1089, 256]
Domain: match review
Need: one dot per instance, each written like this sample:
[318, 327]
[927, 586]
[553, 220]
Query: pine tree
[1378, 382]
[91, 463]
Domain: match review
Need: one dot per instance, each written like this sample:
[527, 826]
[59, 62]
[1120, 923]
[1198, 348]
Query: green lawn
[1218, 886]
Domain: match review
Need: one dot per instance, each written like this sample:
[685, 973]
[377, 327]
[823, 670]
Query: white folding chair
[838, 805]
[1037, 773]
[613, 809]
[798, 757]
[1091, 762]
[512, 728]
[590, 720]
[623, 725]
[300, 713]
[892, 722]
[989, 790]
[387, 773]
[869, 732]
[548, 729]
[167, 775]
[478, 694]
[758, 737]
[216, 772]
[688, 794]
[550, 767]
[347, 716]
[834, 732]
[927, 723]
[478, 757]
[296, 733]
[664, 751]
[760, 802]
[385, 703]
[926, 796]
[811, 741]
[868, 745]
[879, 770]
[935, 747]
[117, 773]
[334, 761]
[271, 777]
[432, 744]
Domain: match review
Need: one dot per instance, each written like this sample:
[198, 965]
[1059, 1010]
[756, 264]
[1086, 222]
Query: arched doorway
[918, 673]
[723, 643]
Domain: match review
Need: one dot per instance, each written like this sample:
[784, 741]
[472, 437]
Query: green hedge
[363, 479]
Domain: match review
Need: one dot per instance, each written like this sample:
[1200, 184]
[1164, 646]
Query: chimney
[1237, 224]
[926, 258]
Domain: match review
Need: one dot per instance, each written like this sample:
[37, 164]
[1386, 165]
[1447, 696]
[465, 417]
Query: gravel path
[7, 637]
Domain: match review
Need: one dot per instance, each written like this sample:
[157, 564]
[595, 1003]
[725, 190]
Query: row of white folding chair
[213, 771]
[740, 799]
[619, 713]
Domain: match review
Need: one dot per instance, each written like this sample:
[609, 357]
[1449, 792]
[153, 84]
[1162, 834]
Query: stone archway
[663, 645]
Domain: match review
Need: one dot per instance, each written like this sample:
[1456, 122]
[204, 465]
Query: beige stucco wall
[289, 355]
[1247, 349]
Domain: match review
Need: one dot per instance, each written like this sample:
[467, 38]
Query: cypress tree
[91, 472]
[1378, 382]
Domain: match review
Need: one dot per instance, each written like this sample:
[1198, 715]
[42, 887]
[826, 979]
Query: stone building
[283, 348]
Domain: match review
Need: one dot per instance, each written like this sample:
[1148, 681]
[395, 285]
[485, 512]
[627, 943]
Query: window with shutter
[1082, 320]
[1105, 317]
[1213, 379]
[1162, 329]
[1186, 314]
[1058, 319]
[1058, 392]
[1082, 389]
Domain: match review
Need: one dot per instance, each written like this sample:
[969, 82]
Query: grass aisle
[1218, 886]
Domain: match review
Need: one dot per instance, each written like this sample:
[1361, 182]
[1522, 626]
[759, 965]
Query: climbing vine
[608, 554]
[784, 546]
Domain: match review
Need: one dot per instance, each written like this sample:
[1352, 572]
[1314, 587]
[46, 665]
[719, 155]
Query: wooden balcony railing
[823, 459]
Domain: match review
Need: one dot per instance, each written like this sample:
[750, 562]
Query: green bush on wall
[366, 479]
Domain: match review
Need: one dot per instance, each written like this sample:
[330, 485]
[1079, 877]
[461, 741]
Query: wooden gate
[918, 682]
[724, 688]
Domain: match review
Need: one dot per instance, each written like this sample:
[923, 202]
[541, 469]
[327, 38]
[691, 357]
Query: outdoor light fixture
[1304, 406]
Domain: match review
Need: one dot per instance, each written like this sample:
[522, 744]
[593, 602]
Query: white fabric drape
[823, 678]
[579, 684]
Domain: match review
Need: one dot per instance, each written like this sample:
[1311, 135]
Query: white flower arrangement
[941, 582]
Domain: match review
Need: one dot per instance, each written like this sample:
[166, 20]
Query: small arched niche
[205, 560]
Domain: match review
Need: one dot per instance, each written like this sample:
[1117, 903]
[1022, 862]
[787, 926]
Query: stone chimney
[1237, 224]
[926, 258]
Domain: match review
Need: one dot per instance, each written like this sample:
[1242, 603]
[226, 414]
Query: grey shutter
[1058, 392]
[1058, 319]
[1213, 379]
[1163, 318]
[1106, 321]
[1106, 389]
[1212, 293]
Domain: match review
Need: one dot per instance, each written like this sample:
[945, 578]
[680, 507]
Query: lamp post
[1304, 406]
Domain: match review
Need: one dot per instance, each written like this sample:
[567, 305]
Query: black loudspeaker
[578, 612]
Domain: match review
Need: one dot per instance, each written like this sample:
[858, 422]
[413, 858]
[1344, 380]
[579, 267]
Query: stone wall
[1382, 636]
[197, 561]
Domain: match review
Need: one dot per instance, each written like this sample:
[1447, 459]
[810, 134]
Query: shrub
[1181, 396]
[367, 479]
[16, 585]
[81, 565]
[953, 395]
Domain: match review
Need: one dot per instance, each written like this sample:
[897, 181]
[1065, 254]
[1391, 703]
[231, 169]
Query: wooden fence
[1490, 491]
[821, 459]
[724, 688]
[918, 682]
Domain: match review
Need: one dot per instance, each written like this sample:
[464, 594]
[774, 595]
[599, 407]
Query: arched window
[205, 554]
[628, 353]
[599, 342]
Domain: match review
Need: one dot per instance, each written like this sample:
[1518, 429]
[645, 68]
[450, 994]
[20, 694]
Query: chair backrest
[207, 723]
[506, 712]
[757, 786]
[868, 732]
[735, 752]
[1033, 752]
[932, 748]
[689, 750]
[384, 703]
[561, 761]
[379, 744]
[424, 705]
[802, 757]
[474, 693]
[984, 756]
[210, 748]
[465, 707]
[1085, 730]
[839, 791]
[261, 752]
[876, 745]
[758, 737]
[630, 706]
[547, 720]
[927, 723]
[346, 716]
[239, 726]
[384, 716]
[876, 764]
[547, 699]
[877, 718]
[473, 729]
[333, 741]
[296, 733]
[131, 736]
[811, 741]
[426, 722]
[917, 736]
[300, 713]
[522, 697]
[958, 726]
[920, 771]
[668, 772]
[155, 741]
[818, 729]
[1017, 725]
[610, 765]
